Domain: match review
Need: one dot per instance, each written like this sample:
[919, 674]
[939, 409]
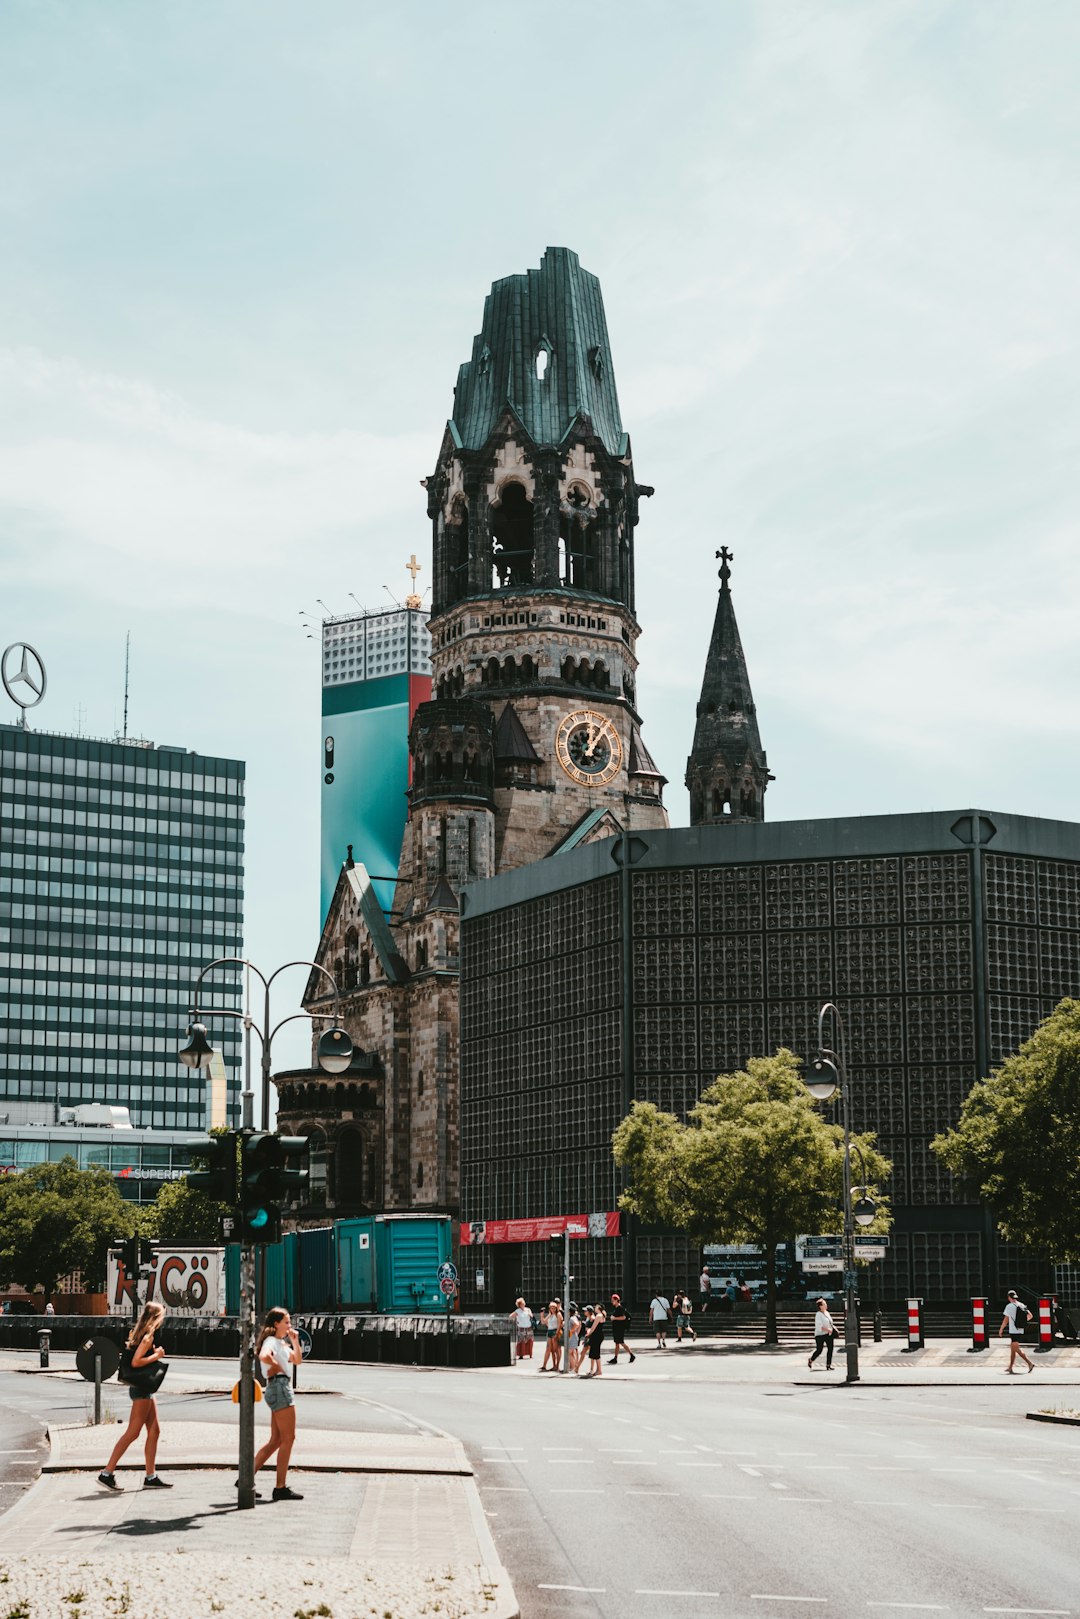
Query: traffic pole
[566, 1301]
[914, 1326]
[1046, 1327]
[245, 1494]
[979, 1339]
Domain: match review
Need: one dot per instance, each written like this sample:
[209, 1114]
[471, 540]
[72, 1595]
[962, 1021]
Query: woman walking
[143, 1405]
[278, 1349]
[824, 1336]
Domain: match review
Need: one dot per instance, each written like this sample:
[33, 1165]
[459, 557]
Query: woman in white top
[278, 1350]
[824, 1336]
[524, 1326]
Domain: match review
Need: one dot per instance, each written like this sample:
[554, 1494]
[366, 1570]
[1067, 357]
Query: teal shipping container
[276, 1268]
[390, 1262]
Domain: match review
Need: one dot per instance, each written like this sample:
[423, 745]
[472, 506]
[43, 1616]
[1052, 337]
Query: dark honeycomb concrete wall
[943, 960]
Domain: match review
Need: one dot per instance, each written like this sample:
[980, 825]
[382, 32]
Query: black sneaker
[109, 1481]
[153, 1482]
[285, 1494]
[633, 1358]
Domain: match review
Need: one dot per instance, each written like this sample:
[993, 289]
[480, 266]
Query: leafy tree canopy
[57, 1218]
[181, 1213]
[1018, 1139]
[756, 1162]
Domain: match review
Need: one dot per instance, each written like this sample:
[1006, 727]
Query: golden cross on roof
[413, 567]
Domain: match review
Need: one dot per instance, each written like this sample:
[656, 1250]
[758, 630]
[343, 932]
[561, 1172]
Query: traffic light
[131, 1255]
[270, 1176]
[218, 1179]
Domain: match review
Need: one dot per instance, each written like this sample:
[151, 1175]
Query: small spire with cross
[413, 567]
[724, 557]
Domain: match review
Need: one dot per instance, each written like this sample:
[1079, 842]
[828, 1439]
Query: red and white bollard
[1046, 1326]
[914, 1326]
[979, 1339]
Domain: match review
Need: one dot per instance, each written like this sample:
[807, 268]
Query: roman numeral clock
[588, 748]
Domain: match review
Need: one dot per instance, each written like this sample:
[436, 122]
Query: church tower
[530, 745]
[726, 773]
[533, 505]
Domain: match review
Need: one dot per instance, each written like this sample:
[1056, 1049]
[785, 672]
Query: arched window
[420, 1174]
[351, 958]
[512, 538]
[365, 966]
[578, 548]
[421, 955]
[317, 1163]
[349, 1168]
[457, 549]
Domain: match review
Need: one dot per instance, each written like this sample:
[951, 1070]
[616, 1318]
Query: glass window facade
[121, 875]
[139, 1166]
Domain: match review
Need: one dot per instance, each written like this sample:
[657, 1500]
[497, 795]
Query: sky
[245, 246]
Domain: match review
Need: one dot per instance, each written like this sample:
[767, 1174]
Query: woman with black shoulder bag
[142, 1368]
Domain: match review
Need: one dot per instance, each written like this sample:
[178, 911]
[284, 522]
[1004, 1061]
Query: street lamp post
[828, 1074]
[334, 1053]
[334, 1050]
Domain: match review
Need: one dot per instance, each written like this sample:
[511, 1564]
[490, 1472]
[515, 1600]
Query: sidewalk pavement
[943, 1362]
[390, 1524]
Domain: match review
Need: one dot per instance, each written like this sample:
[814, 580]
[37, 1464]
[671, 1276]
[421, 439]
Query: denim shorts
[279, 1394]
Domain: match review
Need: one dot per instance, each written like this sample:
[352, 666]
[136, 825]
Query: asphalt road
[23, 1449]
[636, 1496]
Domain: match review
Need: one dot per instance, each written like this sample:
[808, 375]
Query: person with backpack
[141, 1369]
[1014, 1320]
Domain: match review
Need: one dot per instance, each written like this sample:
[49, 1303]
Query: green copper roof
[555, 313]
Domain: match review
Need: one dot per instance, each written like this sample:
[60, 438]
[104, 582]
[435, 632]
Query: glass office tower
[121, 875]
[376, 670]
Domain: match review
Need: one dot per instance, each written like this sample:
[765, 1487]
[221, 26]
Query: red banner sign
[481, 1233]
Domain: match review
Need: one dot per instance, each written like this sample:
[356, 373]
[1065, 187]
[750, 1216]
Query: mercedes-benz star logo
[26, 685]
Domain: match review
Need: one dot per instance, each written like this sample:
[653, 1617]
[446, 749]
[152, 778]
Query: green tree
[756, 1162]
[56, 1218]
[181, 1213]
[1018, 1139]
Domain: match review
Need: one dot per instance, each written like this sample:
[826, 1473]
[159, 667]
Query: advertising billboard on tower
[376, 670]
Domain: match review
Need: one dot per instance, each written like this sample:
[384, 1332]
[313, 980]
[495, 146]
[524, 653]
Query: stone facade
[531, 745]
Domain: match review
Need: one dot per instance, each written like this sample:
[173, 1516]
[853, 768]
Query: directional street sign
[872, 1242]
[447, 1272]
[867, 1250]
[821, 1267]
[818, 1247]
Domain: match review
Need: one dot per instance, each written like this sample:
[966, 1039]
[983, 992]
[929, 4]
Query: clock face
[588, 748]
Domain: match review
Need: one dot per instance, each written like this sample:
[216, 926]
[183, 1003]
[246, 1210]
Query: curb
[294, 1467]
[494, 1573]
[1049, 1416]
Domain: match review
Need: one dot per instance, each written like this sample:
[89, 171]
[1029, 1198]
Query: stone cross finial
[724, 556]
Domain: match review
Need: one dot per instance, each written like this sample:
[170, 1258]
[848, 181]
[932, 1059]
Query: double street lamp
[334, 1051]
[334, 1054]
[826, 1076]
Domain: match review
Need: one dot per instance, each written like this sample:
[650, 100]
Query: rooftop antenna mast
[127, 678]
